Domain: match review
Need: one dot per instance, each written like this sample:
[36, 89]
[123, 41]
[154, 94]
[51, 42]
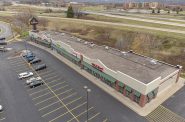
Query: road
[116, 24]
[5, 30]
[143, 16]
[139, 19]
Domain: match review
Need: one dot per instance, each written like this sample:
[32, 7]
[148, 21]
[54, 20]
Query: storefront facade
[127, 86]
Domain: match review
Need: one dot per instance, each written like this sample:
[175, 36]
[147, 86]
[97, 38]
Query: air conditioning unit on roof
[153, 61]
[106, 47]
[85, 43]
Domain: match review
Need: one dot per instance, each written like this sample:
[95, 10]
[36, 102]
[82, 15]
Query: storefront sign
[97, 67]
[75, 53]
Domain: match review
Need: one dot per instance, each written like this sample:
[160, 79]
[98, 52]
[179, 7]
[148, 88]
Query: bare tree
[124, 41]
[56, 26]
[21, 21]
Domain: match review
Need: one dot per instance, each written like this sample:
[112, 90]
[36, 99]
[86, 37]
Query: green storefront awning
[128, 89]
[111, 79]
[137, 94]
[150, 95]
[120, 84]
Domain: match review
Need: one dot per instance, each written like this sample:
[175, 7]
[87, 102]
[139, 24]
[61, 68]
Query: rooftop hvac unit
[106, 47]
[92, 45]
[78, 39]
[153, 61]
[85, 43]
[124, 53]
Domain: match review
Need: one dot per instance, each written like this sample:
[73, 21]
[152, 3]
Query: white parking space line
[17, 62]
[97, 114]
[67, 112]
[38, 91]
[54, 80]
[53, 97]
[60, 88]
[49, 78]
[41, 95]
[49, 92]
[58, 84]
[46, 72]
[19, 65]
[21, 69]
[59, 101]
[47, 100]
[62, 107]
[81, 114]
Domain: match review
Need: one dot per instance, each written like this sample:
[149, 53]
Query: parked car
[3, 43]
[32, 79]
[40, 67]
[26, 52]
[1, 108]
[35, 83]
[36, 60]
[25, 75]
[30, 58]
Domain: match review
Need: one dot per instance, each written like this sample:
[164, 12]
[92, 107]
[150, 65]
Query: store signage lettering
[97, 67]
[75, 53]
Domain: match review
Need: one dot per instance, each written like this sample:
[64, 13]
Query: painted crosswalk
[162, 114]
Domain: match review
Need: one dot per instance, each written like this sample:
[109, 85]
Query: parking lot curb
[125, 101]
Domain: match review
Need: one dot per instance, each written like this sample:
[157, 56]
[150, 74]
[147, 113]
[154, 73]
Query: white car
[25, 75]
[32, 79]
[1, 107]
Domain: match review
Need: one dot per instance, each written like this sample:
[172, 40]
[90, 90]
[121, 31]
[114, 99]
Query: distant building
[142, 5]
[75, 4]
[173, 7]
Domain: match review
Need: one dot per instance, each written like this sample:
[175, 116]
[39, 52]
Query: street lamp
[88, 91]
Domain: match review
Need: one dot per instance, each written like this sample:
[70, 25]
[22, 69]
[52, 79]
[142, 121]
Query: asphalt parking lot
[56, 100]
[62, 97]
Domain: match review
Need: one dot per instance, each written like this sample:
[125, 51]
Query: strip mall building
[135, 76]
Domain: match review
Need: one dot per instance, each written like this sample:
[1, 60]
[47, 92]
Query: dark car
[26, 52]
[30, 58]
[35, 83]
[3, 43]
[34, 61]
[40, 67]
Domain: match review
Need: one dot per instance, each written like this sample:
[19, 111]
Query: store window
[137, 96]
[121, 87]
[128, 91]
[150, 96]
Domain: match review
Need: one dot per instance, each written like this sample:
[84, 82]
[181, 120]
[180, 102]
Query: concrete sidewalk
[124, 100]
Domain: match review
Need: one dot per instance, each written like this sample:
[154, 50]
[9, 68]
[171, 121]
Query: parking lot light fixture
[87, 91]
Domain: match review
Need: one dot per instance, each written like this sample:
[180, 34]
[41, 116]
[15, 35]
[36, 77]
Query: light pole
[87, 90]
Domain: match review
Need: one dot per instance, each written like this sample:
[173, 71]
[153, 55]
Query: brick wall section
[143, 100]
